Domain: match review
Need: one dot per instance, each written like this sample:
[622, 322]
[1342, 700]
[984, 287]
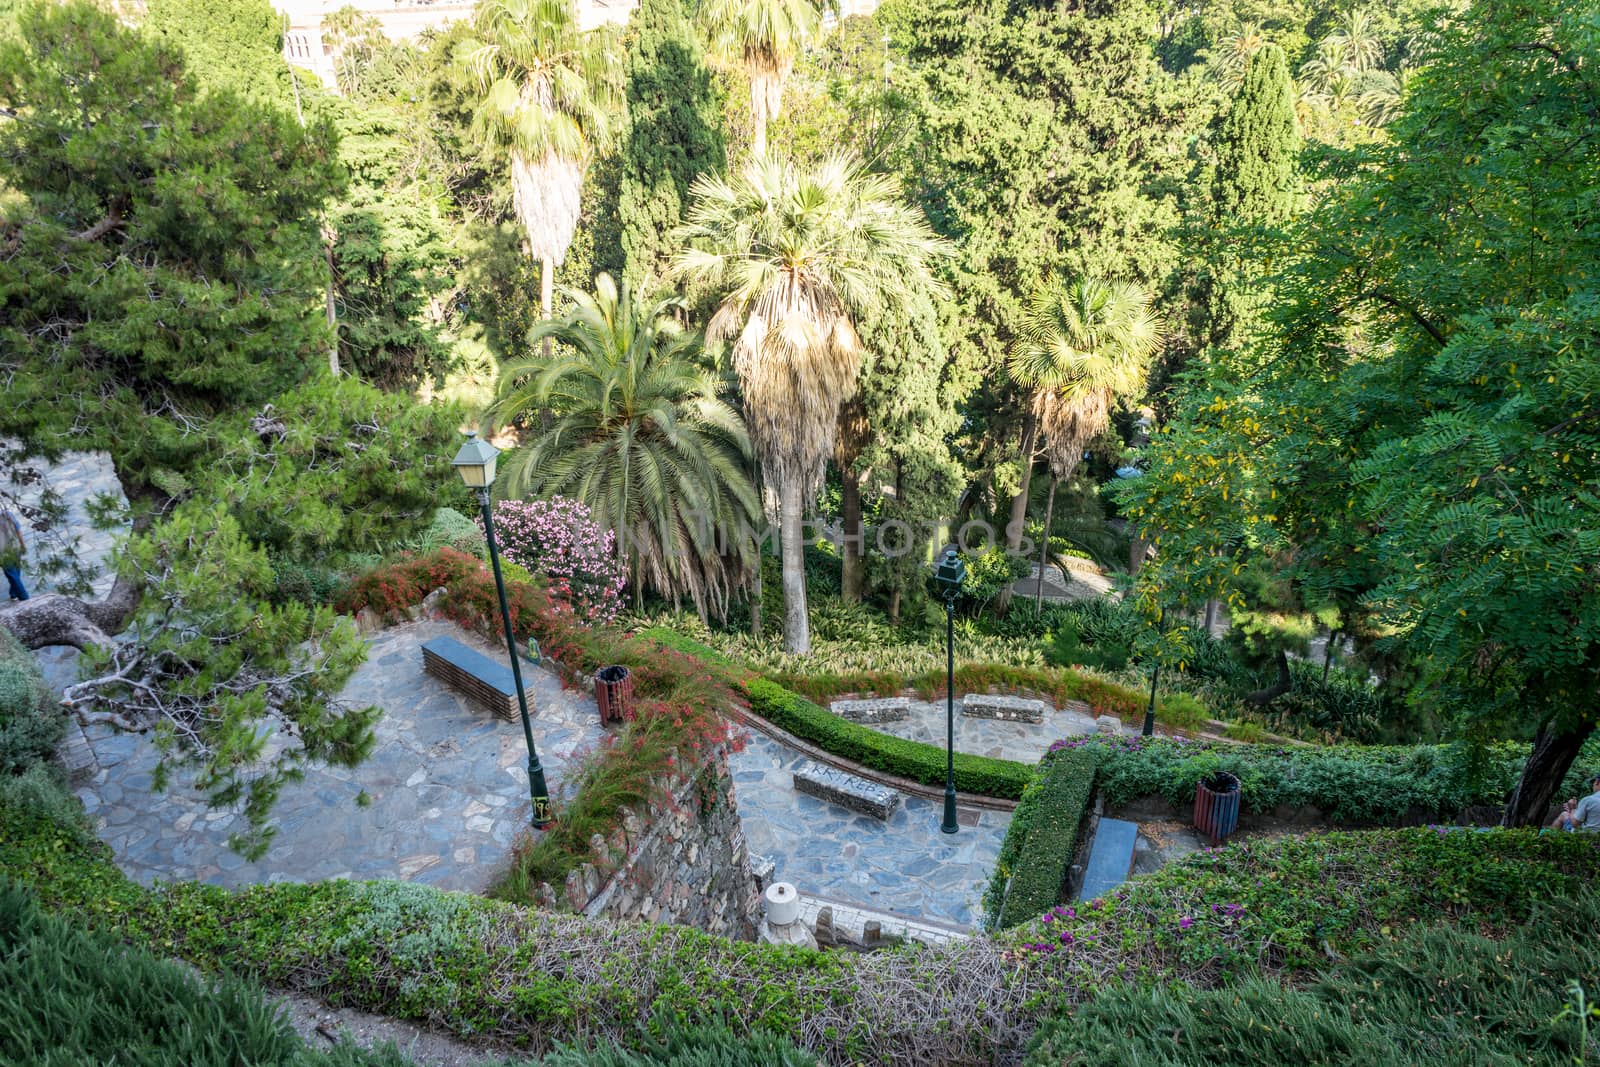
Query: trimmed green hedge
[1039, 842]
[868, 747]
[1372, 785]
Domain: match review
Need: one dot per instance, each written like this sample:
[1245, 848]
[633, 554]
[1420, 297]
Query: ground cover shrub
[68, 998]
[493, 970]
[30, 724]
[1435, 997]
[1039, 843]
[557, 539]
[1375, 785]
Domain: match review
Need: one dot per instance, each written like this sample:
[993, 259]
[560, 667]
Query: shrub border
[1039, 845]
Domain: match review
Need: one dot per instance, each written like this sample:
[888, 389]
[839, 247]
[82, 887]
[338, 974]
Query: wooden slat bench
[477, 676]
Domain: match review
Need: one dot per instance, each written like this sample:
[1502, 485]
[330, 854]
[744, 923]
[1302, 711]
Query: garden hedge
[1032, 865]
[1355, 784]
[790, 711]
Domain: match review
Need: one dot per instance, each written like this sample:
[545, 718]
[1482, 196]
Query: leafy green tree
[673, 135]
[356, 39]
[159, 301]
[1042, 134]
[797, 258]
[763, 38]
[637, 430]
[548, 91]
[1419, 435]
[236, 41]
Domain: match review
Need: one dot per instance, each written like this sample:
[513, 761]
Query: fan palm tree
[1083, 345]
[764, 37]
[549, 91]
[1231, 56]
[636, 430]
[798, 258]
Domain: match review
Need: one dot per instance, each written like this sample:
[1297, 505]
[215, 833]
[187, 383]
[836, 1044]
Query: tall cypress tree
[674, 135]
[1254, 189]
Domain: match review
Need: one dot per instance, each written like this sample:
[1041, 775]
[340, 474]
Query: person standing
[12, 546]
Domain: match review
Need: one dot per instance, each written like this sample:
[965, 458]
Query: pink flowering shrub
[558, 539]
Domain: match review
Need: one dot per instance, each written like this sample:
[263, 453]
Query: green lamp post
[475, 464]
[950, 572]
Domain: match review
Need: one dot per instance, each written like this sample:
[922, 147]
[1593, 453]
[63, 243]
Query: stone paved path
[1021, 741]
[447, 783]
[904, 865]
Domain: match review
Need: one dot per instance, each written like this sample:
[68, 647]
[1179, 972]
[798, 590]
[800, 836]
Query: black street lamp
[950, 573]
[475, 463]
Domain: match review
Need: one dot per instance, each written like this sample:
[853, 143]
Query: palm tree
[1231, 56]
[1083, 345]
[548, 94]
[636, 430]
[798, 257]
[1356, 41]
[764, 37]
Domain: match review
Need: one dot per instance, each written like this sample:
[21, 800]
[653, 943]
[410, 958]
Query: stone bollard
[782, 925]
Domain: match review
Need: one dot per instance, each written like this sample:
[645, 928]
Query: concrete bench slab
[1010, 709]
[1110, 857]
[883, 709]
[475, 675]
[845, 790]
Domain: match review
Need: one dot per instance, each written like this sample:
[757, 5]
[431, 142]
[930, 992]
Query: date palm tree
[764, 37]
[798, 257]
[1083, 345]
[549, 92]
[636, 428]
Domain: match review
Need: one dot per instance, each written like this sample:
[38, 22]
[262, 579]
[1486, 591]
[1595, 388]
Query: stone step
[882, 709]
[845, 790]
[1009, 709]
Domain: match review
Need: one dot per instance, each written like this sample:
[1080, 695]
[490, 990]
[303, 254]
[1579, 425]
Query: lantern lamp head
[950, 572]
[475, 461]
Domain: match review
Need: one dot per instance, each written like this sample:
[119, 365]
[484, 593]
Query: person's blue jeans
[14, 579]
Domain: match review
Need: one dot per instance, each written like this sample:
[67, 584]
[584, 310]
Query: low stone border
[1004, 708]
[846, 790]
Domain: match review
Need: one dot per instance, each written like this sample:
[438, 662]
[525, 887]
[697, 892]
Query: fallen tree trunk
[53, 619]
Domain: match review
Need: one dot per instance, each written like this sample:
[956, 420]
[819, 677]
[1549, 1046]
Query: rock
[368, 621]
[430, 603]
[824, 929]
[1108, 724]
[871, 932]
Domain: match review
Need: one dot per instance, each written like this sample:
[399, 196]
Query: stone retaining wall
[684, 862]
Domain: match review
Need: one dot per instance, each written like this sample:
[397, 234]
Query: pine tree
[674, 135]
[1254, 189]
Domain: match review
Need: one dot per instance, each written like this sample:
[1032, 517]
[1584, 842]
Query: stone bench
[884, 709]
[475, 675]
[1010, 709]
[1110, 857]
[845, 790]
